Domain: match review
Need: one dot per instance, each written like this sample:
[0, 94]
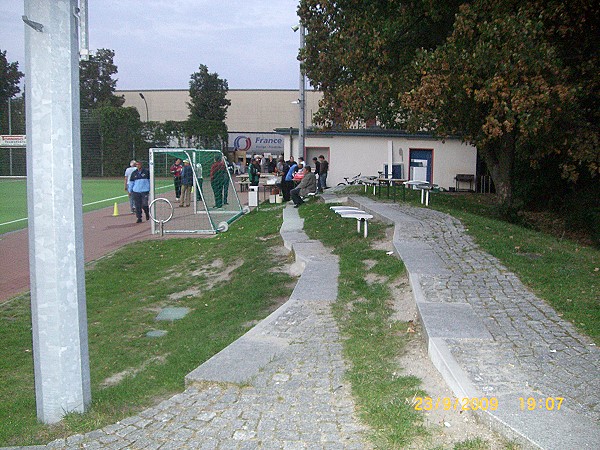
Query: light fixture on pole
[144, 98]
[302, 99]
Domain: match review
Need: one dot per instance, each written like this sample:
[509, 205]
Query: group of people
[183, 180]
[297, 178]
[137, 184]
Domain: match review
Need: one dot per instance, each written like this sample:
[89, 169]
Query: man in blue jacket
[140, 190]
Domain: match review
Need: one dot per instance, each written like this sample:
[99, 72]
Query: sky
[158, 44]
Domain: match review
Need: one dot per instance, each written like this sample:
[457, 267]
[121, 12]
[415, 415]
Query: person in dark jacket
[254, 171]
[323, 169]
[219, 181]
[187, 181]
[176, 172]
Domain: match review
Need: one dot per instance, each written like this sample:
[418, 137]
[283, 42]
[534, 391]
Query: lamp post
[302, 100]
[144, 98]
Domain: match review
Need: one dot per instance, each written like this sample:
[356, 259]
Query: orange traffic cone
[116, 210]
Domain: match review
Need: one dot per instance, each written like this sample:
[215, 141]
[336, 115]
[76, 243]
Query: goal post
[213, 201]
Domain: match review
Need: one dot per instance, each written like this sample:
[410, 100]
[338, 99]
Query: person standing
[128, 184]
[176, 172]
[187, 181]
[140, 190]
[307, 185]
[287, 181]
[323, 169]
[317, 170]
[219, 179]
[254, 171]
[271, 165]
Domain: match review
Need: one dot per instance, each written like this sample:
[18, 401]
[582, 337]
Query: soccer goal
[213, 203]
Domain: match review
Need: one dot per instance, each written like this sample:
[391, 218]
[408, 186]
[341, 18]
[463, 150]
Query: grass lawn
[227, 281]
[97, 193]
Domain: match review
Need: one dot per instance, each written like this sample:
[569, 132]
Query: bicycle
[358, 180]
[351, 181]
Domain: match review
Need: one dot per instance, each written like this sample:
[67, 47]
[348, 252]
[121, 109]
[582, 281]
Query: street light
[144, 98]
[302, 99]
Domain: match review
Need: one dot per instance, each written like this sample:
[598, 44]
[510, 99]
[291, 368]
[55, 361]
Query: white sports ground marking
[87, 204]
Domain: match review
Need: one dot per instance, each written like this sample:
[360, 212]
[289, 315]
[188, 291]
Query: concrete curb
[243, 359]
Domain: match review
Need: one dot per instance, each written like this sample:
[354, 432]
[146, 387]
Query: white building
[266, 121]
[369, 151]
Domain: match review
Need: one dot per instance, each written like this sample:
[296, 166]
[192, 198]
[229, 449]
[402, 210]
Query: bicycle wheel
[342, 184]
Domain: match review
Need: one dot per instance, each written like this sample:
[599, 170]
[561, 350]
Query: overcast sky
[158, 44]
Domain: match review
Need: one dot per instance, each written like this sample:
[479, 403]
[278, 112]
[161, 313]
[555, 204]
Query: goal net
[208, 205]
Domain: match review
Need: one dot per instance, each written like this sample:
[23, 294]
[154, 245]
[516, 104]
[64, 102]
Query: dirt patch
[115, 379]
[286, 261]
[372, 278]
[369, 263]
[211, 275]
[385, 243]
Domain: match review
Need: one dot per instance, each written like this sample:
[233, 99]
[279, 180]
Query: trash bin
[252, 195]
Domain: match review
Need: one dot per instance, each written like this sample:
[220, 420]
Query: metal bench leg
[427, 198]
[365, 228]
[358, 225]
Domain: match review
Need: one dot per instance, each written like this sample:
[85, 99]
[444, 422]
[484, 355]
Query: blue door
[421, 165]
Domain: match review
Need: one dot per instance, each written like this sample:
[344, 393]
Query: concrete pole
[58, 309]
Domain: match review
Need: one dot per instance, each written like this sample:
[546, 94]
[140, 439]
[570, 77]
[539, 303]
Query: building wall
[250, 110]
[350, 155]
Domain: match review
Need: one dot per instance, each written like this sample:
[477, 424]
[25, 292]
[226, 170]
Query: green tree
[120, 129]
[97, 86]
[208, 109]
[10, 76]
[507, 82]
[359, 54]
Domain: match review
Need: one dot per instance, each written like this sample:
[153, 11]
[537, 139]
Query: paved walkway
[490, 336]
[280, 386]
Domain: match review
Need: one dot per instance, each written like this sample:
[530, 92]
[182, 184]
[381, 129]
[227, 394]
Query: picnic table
[393, 183]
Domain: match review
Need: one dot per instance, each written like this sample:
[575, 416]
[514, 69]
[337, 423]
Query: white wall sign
[256, 142]
[13, 140]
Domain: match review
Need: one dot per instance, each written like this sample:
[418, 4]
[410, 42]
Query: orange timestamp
[547, 403]
[456, 404]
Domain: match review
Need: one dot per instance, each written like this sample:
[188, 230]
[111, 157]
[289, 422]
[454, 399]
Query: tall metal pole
[9, 117]
[144, 98]
[302, 129]
[58, 303]
[10, 155]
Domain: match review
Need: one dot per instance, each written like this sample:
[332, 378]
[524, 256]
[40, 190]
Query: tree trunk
[500, 159]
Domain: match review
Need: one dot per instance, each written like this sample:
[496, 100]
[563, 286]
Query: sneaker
[176, 199]
[139, 221]
[147, 218]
